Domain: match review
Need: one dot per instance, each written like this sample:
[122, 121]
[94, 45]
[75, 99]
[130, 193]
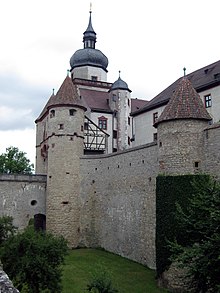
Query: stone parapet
[6, 285]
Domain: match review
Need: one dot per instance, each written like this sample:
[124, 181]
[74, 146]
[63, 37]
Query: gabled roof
[202, 79]
[67, 95]
[96, 100]
[185, 103]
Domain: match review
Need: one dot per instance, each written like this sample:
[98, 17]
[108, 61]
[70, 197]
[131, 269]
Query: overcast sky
[149, 41]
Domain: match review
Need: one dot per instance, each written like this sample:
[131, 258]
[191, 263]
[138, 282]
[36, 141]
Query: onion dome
[89, 55]
[184, 104]
[119, 84]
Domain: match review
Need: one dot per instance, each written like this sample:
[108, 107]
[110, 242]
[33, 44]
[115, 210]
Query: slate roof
[185, 103]
[67, 95]
[119, 84]
[202, 79]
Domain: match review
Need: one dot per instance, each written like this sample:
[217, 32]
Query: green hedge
[169, 191]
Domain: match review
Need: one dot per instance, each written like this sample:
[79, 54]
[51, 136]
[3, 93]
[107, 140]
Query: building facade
[98, 153]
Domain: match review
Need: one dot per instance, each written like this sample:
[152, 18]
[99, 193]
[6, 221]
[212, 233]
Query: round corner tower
[180, 131]
[60, 145]
[120, 103]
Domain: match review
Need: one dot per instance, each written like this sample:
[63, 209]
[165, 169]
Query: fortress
[98, 153]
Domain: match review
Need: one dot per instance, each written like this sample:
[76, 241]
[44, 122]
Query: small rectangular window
[129, 140]
[129, 120]
[208, 101]
[197, 166]
[114, 97]
[94, 78]
[86, 126]
[52, 113]
[61, 126]
[115, 134]
[72, 112]
[155, 136]
[155, 117]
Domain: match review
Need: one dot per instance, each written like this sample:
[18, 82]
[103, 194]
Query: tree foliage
[101, 283]
[14, 161]
[7, 229]
[33, 261]
[201, 222]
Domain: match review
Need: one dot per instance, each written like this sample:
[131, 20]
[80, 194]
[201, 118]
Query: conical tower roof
[67, 95]
[184, 104]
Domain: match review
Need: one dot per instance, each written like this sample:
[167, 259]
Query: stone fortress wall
[116, 200]
[22, 197]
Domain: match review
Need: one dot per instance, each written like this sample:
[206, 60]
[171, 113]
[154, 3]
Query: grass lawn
[127, 276]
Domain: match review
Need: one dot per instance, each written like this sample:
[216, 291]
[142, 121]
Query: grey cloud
[21, 101]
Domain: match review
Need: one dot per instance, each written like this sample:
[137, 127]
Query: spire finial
[68, 72]
[119, 72]
[53, 91]
[90, 8]
[184, 71]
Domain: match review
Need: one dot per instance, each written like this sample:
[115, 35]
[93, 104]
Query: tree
[7, 228]
[33, 261]
[15, 161]
[201, 222]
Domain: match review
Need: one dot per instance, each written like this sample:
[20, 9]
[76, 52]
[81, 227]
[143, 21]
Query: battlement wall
[22, 196]
[118, 202]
